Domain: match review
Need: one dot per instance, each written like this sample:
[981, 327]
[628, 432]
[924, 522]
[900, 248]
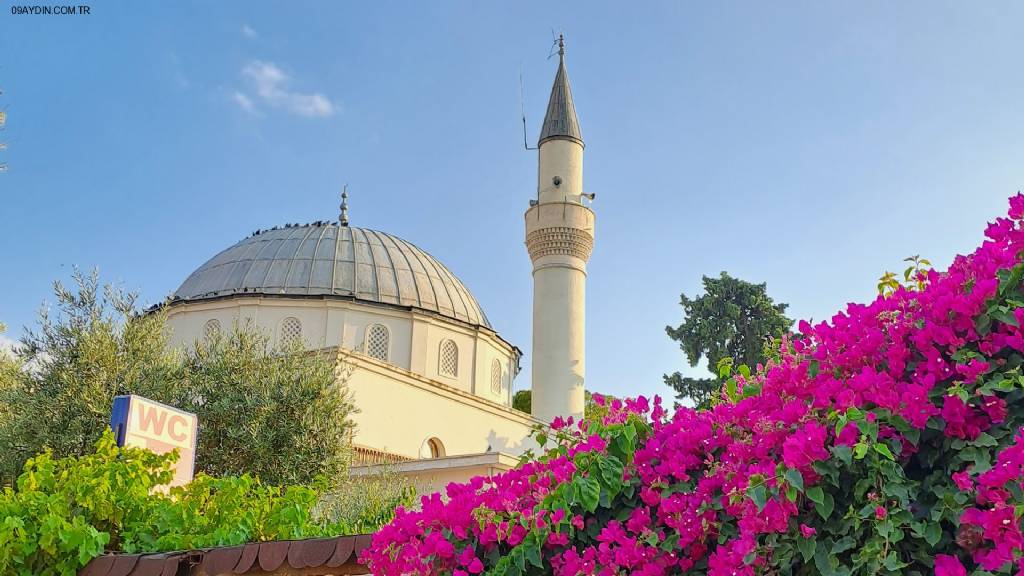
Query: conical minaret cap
[560, 120]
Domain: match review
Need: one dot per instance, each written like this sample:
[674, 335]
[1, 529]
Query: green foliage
[65, 511]
[365, 503]
[914, 276]
[732, 320]
[522, 401]
[281, 415]
[92, 350]
[599, 489]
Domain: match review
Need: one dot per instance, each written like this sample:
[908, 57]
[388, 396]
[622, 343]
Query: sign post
[144, 423]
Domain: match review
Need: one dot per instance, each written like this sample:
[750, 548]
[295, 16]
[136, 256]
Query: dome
[325, 259]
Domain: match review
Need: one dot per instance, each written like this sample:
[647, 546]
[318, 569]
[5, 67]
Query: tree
[733, 319]
[281, 415]
[523, 400]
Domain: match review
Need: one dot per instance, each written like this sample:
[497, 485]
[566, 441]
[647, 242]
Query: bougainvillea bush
[885, 441]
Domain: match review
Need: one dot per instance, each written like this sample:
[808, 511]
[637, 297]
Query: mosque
[430, 375]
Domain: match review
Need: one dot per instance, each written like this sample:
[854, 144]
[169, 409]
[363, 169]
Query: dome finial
[561, 46]
[343, 219]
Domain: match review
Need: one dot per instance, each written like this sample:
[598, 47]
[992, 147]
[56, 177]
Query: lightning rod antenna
[522, 108]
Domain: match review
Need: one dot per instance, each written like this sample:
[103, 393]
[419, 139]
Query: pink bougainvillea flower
[963, 480]
[946, 565]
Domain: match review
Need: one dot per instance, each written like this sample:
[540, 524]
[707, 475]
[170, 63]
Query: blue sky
[809, 145]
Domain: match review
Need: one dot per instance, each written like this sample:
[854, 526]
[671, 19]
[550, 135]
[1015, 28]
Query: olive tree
[282, 415]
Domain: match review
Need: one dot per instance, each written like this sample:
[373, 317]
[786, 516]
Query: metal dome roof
[325, 259]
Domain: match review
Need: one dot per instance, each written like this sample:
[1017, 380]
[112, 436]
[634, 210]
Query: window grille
[448, 363]
[377, 342]
[496, 376]
[290, 332]
[211, 329]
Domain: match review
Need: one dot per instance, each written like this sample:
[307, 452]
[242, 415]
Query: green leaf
[806, 546]
[791, 493]
[815, 494]
[759, 494]
[532, 554]
[826, 506]
[984, 439]
[883, 449]
[844, 453]
[795, 479]
[860, 450]
[589, 493]
[1005, 316]
[982, 324]
[843, 544]
[813, 367]
[933, 533]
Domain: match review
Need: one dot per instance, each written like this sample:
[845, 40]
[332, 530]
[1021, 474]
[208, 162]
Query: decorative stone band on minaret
[559, 242]
[559, 239]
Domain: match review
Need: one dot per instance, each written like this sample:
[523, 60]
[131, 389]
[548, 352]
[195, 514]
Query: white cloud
[248, 32]
[271, 85]
[244, 102]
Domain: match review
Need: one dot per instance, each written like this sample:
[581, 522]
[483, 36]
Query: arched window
[432, 448]
[211, 329]
[496, 376]
[448, 361]
[290, 332]
[378, 342]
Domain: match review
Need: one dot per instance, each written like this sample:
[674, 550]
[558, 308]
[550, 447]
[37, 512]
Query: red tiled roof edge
[303, 556]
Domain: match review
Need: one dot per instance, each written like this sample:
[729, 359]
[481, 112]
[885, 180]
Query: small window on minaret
[448, 362]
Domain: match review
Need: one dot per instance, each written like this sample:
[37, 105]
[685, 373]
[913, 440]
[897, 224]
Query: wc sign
[144, 423]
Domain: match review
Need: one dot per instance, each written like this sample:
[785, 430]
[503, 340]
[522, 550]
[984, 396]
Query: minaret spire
[343, 218]
[560, 120]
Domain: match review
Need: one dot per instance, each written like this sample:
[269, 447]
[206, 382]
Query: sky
[808, 145]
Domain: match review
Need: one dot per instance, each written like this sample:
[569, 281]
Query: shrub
[65, 511]
[884, 441]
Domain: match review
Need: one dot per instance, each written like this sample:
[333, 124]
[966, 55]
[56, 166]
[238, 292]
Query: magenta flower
[946, 565]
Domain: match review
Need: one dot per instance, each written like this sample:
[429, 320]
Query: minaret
[559, 238]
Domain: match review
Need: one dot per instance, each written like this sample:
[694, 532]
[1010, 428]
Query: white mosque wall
[415, 338]
[400, 412]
